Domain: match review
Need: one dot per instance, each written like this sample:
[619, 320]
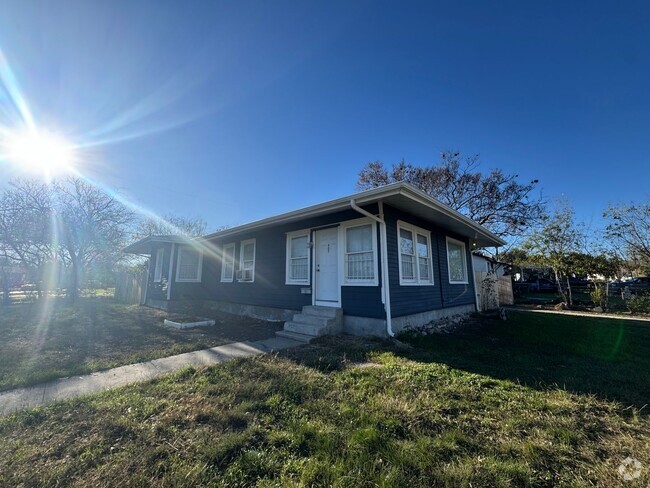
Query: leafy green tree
[596, 265]
[555, 244]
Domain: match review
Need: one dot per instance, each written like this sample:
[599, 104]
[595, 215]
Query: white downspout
[385, 282]
[471, 262]
[169, 275]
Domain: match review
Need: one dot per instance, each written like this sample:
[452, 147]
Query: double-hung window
[190, 261]
[360, 254]
[228, 262]
[298, 258]
[457, 261]
[246, 271]
[157, 274]
[414, 246]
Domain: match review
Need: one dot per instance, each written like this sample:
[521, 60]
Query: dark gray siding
[406, 300]
[269, 288]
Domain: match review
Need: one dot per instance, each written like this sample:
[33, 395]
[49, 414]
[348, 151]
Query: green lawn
[41, 341]
[580, 296]
[539, 400]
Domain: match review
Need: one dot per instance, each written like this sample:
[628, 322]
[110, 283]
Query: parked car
[640, 284]
[618, 284]
[579, 282]
[542, 285]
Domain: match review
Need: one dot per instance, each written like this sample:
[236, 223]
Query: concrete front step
[295, 336]
[301, 318]
[307, 329]
[329, 312]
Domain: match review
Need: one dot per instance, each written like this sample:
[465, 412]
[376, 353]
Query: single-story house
[372, 263]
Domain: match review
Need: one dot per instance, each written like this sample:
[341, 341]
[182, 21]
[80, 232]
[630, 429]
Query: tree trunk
[570, 295]
[6, 299]
[559, 286]
[73, 284]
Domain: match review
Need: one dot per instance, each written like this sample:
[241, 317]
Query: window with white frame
[298, 258]
[246, 271]
[189, 265]
[415, 255]
[456, 261]
[228, 262]
[157, 272]
[360, 263]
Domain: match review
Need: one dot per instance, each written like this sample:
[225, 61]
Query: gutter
[385, 282]
[471, 263]
[171, 269]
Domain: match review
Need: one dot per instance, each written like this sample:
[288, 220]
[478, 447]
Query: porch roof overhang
[146, 245]
[401, 195]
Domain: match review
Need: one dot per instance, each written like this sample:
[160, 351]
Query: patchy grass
[606, 357]
[344, 412]
[41, 341]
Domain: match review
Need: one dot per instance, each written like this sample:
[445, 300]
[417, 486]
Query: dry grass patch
[311, 417]
[53, 339]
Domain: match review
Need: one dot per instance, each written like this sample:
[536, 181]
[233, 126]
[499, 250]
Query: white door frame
[314, 301]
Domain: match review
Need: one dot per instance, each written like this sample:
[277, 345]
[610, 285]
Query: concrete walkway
[75, 386]
[593, 315]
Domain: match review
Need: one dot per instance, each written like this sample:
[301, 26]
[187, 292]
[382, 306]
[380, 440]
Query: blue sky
[234, 111]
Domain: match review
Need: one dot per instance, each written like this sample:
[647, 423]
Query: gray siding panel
[269, 288]
[406, 300]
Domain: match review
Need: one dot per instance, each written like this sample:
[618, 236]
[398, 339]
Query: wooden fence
[506, 296]
[492, 292]
[130, 287]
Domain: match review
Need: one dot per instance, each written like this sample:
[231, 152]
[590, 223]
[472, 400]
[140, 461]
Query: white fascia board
[369, 196]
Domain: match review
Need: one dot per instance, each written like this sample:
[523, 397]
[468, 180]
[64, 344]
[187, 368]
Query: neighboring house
[329, 260]
[486, 264]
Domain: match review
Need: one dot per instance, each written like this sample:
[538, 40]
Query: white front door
[326, 267]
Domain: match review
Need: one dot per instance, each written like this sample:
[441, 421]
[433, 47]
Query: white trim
[292, 235]
[157, 270]
[169, 274]
[385, 281]
[342, 252]
[143, 300]
[461, 243]
[223, 260]
[471, 263]
[241, 249]
[199, 268]
[414, 230]
[371, 196]
[322, 303]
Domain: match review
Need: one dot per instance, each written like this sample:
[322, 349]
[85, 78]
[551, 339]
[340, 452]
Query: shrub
[639, 304]
[599, 296]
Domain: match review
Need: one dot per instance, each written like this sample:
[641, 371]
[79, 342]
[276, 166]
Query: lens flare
[38, 151]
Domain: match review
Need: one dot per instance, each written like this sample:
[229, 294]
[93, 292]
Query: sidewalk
[593, 315]
[68, 388]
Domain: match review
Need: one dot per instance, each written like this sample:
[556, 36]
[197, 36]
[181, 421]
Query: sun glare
[39, 151]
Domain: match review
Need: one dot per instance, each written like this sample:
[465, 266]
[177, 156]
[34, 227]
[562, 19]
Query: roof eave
[369, 196]
[411, 191]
